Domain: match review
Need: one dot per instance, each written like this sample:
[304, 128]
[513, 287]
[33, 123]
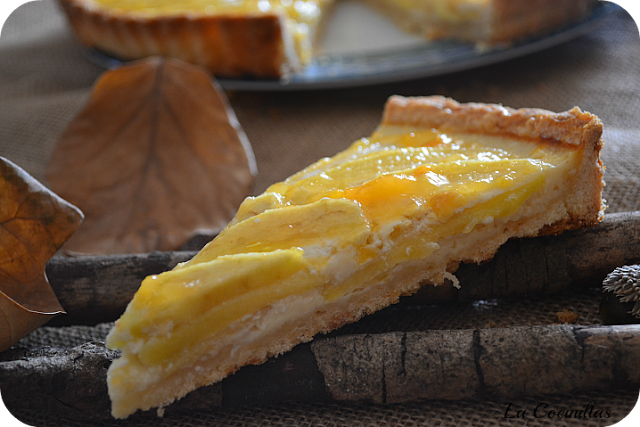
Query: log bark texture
[460, 364]
[97, 289]
[382, 368]
[546, 265]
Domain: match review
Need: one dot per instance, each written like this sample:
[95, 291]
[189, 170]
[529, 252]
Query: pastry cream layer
[327, 233]
[302, 16]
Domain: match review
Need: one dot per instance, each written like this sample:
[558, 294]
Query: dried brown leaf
[34, 223]
[156, 157]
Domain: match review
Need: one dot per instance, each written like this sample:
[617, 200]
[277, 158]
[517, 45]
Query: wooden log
[60, 381]
[96, 289]
[546, 265]
[462, 364]
[379, 368]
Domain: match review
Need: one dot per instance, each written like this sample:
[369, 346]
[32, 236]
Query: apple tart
[438, 183]
[273, 38]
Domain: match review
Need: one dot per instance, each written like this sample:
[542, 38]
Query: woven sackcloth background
[45, 79]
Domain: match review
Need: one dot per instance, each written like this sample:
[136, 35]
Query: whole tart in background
[274, 38]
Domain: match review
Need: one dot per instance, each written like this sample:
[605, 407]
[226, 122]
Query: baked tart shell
[227, 45]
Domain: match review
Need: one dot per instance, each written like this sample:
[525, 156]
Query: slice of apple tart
[438, 183]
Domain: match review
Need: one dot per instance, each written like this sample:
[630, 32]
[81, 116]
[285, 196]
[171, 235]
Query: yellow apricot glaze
[334, 227]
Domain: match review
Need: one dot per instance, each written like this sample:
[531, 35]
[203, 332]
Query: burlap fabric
[45, 79]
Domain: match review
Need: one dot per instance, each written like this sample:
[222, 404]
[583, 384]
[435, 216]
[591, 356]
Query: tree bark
[381, 368]
[462, 364]
[97, 289]
[546, 265]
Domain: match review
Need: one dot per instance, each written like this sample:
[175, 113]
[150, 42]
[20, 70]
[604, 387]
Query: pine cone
[624, 282]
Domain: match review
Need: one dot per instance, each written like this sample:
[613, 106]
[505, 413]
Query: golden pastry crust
[573, 129]
[229, 46]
